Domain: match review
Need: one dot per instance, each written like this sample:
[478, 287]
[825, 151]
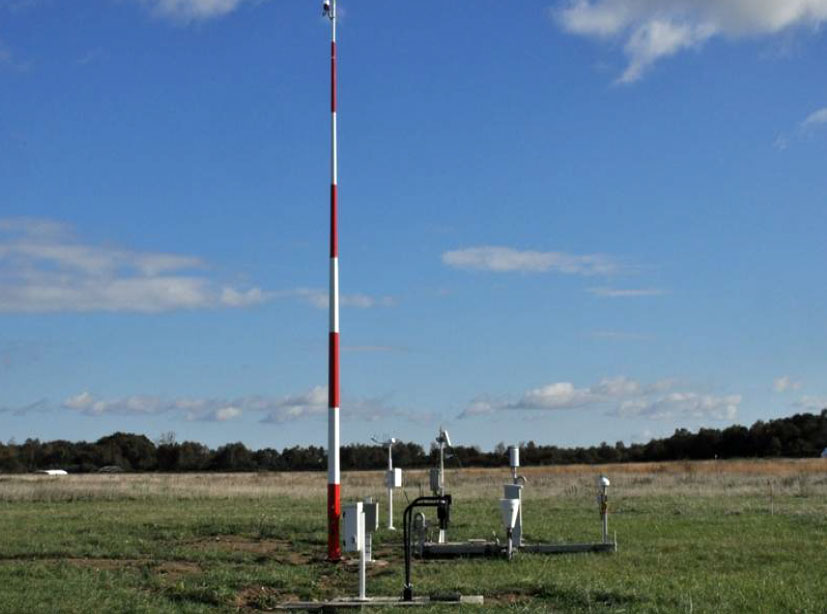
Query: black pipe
[443, 505]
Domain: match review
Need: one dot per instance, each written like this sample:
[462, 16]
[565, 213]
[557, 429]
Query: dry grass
[704, 478]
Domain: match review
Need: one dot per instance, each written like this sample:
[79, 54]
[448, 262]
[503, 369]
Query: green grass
[163, 553]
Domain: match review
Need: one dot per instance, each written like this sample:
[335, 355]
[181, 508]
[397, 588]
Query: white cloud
[506, 259]
[226, 413]
[243, 298]
[662, 385]
[816, 118]
[192, 10]
[564, 395]
[625, 292]
[294, 407]
[811, 403]
[655, 29]
[320, 299]
[806, 128]
[311, 404]
[45, 268]
[82, 401]
[559, 395]
[682, 405]
[314, 404]
[656, 39]
[785, 383]
[481, 406]
[620, 396]
[88, 404]
[616, 387]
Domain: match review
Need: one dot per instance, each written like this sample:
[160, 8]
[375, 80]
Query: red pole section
[334, 506]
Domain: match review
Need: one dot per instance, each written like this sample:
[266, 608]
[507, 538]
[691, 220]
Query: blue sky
[562, 221]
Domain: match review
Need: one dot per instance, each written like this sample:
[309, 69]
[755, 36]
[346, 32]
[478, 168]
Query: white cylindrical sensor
[514, 456]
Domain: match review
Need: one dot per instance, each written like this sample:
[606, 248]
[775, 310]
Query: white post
[390, 510]
[605, 526]
[441, 468]
[441, 538]
[603, 503]
[390, 489]
[362, 561]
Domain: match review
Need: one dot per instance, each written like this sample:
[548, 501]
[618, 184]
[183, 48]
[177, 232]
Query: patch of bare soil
[172, 570]
[508, 599]
[280, 550]
[262, 597]
[105, 564]
[175, 570]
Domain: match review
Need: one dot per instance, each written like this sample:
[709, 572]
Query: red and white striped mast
[334, 506]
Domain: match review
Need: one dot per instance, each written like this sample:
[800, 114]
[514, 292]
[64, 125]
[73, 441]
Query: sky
[561, 221]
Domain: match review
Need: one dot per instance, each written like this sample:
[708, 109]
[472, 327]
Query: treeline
[798, 436]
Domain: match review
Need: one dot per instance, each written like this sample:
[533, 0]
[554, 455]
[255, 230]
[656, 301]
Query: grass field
[693, 537]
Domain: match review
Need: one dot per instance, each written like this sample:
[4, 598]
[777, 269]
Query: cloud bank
[500, 259]
[651, 30]
[811, 403]
[191, 10]
[45, 268]
[310, 404]
[617, 396]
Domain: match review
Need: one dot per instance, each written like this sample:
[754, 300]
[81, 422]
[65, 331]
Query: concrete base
[478, 548]
[335, 604]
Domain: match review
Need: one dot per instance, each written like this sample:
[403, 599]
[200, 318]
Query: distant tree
[775, 447]
[193, 456]
[232, 457]
[800, 435]
[9, 462]
[167, 438]
[268, 459]
[128, 451]
[169, 457]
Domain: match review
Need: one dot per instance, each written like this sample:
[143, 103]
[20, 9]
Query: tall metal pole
[334, 509]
